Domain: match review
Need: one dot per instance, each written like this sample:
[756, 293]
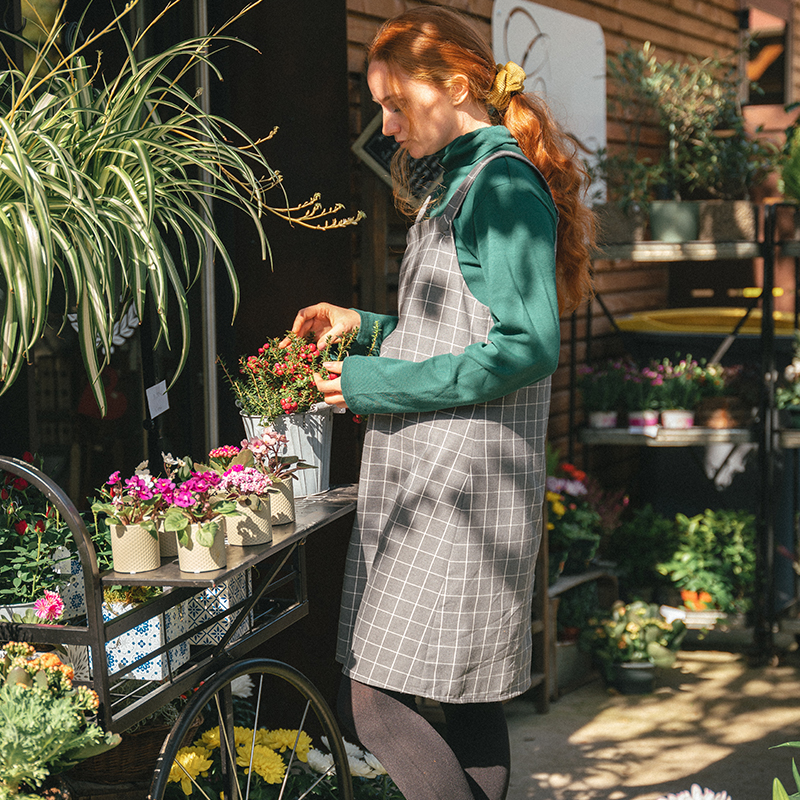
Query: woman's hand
[331, 385]
[325, 322]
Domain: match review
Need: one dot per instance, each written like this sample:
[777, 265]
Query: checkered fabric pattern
[439, 576]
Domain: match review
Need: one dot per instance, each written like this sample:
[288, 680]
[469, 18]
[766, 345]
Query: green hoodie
[505, 238]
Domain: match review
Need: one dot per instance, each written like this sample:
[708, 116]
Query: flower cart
[202, 681]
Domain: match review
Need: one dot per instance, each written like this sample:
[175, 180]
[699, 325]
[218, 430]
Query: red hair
[435, 45]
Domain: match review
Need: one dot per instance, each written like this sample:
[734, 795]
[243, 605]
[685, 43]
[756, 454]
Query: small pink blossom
[50, 607]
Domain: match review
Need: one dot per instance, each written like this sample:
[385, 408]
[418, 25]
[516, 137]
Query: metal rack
[767, 433]
[278, 598]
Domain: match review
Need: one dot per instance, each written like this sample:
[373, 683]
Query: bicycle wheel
[257, 729]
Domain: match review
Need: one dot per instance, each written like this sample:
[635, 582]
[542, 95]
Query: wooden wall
[676, 28]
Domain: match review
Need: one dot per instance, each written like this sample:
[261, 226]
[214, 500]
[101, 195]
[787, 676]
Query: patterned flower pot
[643, 421]
[282, 503]
[253, 526]
[134, 549]
[195, 557]
[167, 543]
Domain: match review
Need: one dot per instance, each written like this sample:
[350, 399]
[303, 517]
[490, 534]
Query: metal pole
[208, 278]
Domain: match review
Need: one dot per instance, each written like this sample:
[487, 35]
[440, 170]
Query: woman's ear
[459, 89]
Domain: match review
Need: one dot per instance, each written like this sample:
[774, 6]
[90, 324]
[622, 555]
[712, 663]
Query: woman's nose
[390, 126]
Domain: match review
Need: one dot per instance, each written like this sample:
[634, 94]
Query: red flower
[39, 526]
[21, 526]
[4, 494]
[20, 483]
[27, 456]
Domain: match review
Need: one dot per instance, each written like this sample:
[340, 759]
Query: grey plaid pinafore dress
[439, 576]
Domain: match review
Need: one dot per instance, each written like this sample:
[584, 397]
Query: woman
[439, 577]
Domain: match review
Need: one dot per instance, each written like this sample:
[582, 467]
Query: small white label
[157, 399]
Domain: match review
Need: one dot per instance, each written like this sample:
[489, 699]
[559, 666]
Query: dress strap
[452, 208]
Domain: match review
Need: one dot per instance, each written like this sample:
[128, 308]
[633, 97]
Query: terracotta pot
[196, 558]
[134, 549]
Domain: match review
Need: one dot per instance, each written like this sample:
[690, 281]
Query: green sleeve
[367, 331]
[507, 255]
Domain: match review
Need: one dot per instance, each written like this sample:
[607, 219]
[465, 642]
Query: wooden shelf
[668, 437]
[567, 582]
[680, 251]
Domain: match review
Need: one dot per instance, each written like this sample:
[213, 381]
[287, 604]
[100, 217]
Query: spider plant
[100, 175]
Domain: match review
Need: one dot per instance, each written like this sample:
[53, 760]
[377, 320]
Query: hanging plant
[98, 172]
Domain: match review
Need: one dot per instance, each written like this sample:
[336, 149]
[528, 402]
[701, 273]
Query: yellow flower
[266, 763]
[242, 736]
[556, 504]
[282, 739]
[189, 763]
[209, 739]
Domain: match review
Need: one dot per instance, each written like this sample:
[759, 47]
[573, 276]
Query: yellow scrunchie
[508, 80]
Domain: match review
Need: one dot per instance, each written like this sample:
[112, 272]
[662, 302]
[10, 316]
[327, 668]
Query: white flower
[376, 765]
[359, 768]
[319, 761]
[349, 747]
[242, 686]
[696, 793]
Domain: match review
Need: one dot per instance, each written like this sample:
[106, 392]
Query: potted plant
[716, 555]
[133, 508]
[33, 541]
[195, 513]
[250, 489]
[710, 155]
[601, 389]
[641, 392]
[643, 540]
[680, 392]
[276, 389]
[573, 524]
[104, 169]
[787, 392]
[265, 451]
[630, 642]
[46, 727]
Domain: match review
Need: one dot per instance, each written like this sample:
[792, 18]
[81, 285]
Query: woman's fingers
[331, 384]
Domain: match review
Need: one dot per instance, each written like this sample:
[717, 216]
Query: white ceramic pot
[603, 419]
[134, 549]
[643, 421]
[195, 557]
[677, 418]
[251, 526]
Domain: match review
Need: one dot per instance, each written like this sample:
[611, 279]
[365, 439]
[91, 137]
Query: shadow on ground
[711, 720]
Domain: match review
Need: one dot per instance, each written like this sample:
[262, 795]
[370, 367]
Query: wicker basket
[133, 760]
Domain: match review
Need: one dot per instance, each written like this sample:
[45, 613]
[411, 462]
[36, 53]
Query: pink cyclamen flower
[50, 607]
